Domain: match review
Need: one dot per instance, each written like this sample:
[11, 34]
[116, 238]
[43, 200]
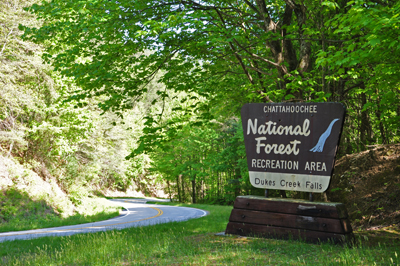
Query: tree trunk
[169, 190]
[179, 190]
[194, 190]
[365, 128]
[218, 184]
[183, 188]
[381, 127]
[379, 117]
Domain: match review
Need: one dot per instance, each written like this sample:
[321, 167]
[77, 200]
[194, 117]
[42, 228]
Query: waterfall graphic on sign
[321, 142]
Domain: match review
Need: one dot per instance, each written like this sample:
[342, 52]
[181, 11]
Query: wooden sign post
[291, 146]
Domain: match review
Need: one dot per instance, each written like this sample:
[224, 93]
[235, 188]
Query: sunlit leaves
[223, 51]
[366, 58]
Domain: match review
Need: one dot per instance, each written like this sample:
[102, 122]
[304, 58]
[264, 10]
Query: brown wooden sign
[292, 146]
[289, 218]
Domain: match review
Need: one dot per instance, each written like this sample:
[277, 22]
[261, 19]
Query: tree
[224, 53]
[241, 50]
[366, 64]
[200, 46]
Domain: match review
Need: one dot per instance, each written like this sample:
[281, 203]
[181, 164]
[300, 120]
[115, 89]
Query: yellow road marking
[160, 212]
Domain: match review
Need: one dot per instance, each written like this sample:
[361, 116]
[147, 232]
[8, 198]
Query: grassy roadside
[194, 243]
[20, 212]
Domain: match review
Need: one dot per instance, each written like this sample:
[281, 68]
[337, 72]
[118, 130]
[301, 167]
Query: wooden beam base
[290, 219]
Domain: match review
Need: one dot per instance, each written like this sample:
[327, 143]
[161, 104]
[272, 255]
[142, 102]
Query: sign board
[292, 146]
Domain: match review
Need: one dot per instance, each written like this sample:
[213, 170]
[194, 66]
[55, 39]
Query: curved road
[136, 213]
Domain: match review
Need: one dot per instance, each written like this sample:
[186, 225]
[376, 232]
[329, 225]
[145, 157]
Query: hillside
[369, 184]
[55, 156]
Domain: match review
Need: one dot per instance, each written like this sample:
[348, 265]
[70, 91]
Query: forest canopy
[222, 54]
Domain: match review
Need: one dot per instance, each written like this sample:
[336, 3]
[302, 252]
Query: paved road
[137, 213]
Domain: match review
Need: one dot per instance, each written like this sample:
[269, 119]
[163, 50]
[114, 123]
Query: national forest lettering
[272, 128]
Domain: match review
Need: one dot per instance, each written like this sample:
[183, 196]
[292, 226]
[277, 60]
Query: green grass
[19, 212]
[36, 222]
[194, 243]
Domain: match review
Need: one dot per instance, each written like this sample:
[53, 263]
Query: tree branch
[253, 55]
[250, 78]
[269, 24]
[4, 46]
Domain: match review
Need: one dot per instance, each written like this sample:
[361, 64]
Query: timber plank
[340, 226]
[285, 233]
[291, 206]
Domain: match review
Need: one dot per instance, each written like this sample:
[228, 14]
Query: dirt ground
[368, 183]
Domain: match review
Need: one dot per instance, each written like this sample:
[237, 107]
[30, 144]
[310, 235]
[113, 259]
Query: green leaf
[330, 5]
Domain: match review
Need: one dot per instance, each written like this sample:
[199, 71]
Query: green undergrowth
[194, 243]
[20, 212]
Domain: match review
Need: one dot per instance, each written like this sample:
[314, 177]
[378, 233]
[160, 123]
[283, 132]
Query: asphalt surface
[137, 213]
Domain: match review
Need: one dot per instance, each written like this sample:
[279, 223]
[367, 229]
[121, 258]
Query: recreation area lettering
[272, 128]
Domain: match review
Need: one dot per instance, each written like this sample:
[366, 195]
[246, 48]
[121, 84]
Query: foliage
[68, 144]
[241, 51]
[204, 164]
[22, 78]
[365, 62]
[188, 67]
